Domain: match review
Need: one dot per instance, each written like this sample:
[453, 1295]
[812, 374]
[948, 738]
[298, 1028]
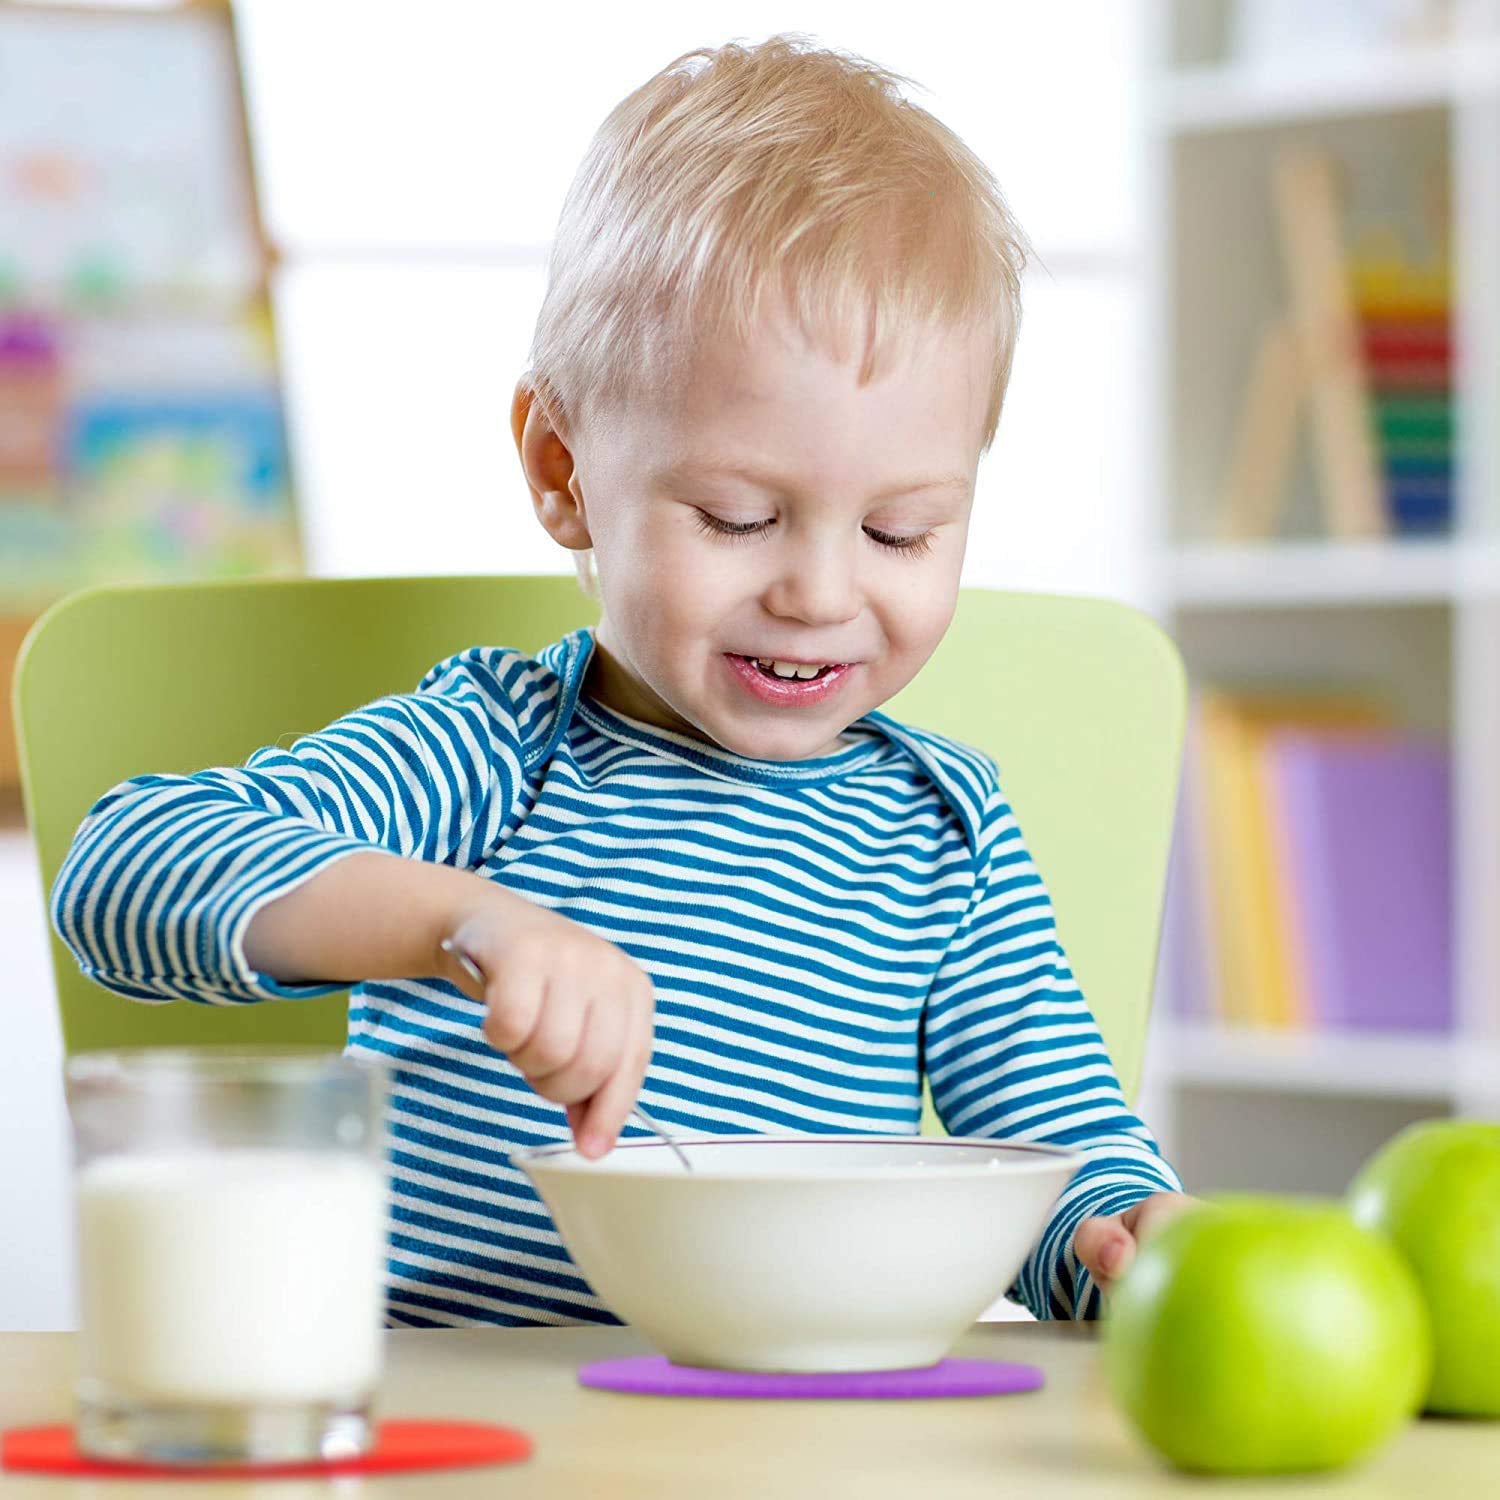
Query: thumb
[1104, 1246]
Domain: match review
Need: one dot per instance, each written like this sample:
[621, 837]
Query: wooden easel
[83, 24]
[1308, 357]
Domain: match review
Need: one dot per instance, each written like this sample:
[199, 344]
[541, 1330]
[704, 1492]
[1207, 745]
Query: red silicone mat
[651, 1375]
[399, 1447]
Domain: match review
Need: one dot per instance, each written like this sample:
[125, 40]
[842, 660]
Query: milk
[233, 1276]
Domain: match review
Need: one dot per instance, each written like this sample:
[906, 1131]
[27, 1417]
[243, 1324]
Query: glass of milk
[232, 1209]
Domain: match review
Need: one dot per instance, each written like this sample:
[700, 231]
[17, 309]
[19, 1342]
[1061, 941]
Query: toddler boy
[694, 861]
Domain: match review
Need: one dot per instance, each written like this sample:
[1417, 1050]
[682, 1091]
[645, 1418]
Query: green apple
[1259, 1335]
[1435, 1189]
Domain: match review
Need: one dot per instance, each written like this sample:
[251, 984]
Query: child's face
[843, 553]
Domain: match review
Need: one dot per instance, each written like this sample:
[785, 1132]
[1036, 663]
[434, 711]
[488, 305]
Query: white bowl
[802, 1253]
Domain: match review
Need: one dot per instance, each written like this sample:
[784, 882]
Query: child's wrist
[469, 919]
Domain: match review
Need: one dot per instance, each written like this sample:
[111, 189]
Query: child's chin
[782, 744]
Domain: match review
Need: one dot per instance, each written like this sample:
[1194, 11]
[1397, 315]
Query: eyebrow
[703, 468]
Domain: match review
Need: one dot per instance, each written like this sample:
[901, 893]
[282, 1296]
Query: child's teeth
[789, 669]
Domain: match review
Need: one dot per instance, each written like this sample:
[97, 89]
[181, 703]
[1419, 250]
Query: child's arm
[365, 917]
[166, 872]
[572, 1011]
[276, 879]
[1013, 1051]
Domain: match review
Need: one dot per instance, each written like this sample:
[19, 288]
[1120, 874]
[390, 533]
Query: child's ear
[547, 462]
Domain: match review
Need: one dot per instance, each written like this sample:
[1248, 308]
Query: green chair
[1081, 702]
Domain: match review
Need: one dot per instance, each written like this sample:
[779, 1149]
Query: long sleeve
[1012, 1051]
[166, 871]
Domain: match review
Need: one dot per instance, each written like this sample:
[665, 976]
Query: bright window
[414, 159]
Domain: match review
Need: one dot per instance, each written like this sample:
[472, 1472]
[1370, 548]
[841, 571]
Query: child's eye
[913, 546]
[710, 523]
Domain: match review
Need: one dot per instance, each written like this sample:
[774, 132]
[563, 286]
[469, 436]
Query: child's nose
[816, 586]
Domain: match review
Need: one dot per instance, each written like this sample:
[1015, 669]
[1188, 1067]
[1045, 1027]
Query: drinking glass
[232, 1208]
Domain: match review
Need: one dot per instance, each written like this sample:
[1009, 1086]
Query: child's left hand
[1107, 1245]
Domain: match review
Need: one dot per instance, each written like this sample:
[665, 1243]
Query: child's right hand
[572, 1011]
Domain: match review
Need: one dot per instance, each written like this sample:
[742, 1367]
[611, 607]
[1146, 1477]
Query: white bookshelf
[1316, 573]
[1418, 619]
[1361, 1065]
[1214, 97]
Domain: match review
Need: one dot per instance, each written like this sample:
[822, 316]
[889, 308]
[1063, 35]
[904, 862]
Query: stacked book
[1311, 881]
[1405, 337]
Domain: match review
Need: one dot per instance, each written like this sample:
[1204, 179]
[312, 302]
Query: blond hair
[778, 167]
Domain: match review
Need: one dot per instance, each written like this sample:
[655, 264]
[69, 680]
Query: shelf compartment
[1209, 575]
[1390, 1065]
[1228, 286]
[1227, 97]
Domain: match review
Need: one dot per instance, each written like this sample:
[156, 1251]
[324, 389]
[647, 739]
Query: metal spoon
[670, 1141]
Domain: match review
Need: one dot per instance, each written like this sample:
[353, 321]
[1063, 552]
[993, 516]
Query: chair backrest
[1080, 701]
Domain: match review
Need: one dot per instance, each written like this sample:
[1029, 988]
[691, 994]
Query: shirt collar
[569, 659]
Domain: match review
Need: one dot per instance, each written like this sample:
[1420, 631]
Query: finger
[559, 1034]
[1115, 1259]
[607, 1110]
[1104, 1246]
[598, 1055]
[604, 1114]
[515, 1010]
[1146, 1217]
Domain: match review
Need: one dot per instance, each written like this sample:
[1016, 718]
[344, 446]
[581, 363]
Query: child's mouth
[784, 682]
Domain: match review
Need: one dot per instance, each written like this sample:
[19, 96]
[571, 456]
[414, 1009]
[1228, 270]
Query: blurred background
[268, 274]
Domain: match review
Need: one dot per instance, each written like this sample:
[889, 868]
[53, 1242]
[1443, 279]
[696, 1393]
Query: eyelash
[914, 546]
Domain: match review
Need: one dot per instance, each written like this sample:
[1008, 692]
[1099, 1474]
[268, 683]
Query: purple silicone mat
[651, 1375]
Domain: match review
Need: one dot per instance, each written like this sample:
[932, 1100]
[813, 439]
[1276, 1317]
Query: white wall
[36, 1271]
[415, 180]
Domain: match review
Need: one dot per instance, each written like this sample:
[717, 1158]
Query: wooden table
[1065, 1440]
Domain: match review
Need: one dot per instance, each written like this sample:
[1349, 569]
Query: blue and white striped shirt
[816, 933]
